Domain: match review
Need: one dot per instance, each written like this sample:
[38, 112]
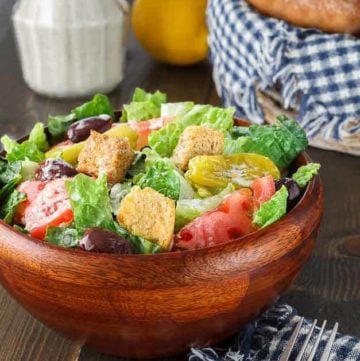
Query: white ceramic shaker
[71, 48]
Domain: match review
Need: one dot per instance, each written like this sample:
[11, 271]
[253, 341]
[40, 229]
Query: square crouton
[149, 214]
[196, 140]
[105, 155]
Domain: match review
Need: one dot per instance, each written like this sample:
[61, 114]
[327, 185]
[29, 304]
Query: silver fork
[291, 343]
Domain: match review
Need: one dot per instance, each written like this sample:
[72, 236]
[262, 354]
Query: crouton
[149, 214]
[105, 155]
[196, 140]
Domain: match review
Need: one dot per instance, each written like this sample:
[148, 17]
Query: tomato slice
[51, 207]
[31, 189]
[232, 219]
[263, 188]
[144, 128]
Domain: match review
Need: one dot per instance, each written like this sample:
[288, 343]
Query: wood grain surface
[328, 286]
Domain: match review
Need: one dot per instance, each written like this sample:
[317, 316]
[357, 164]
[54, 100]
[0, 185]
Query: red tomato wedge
[232, 219]
[31, 189]
[51, 207]
[144, 128]
[263, 188]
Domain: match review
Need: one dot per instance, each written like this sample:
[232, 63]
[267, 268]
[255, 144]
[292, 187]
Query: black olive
[54, 168]
[80, 130]
[104, 241]
[293, 190]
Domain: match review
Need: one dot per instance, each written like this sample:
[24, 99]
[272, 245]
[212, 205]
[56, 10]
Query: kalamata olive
[104, 241]
[80, 130]
[54, 168]
[293, 189]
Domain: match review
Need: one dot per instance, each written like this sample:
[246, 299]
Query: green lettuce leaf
[232, 146]
[59, 124]
[63, 236]
[38, 137]
[273, 209]
[9, 171]
[9, 206]
[28, 169]
[21, 151]
[175, 109]
[90, 202]
[186, 190]
[305, 173]
[143, 106]
[98, 105]
[162, 177]
[137, 166]
[165, 140]
[189, 209]
[282, 142]
[10, 177]
[117, 193]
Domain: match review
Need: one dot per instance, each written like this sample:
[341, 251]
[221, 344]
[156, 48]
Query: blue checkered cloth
[266, 338]
[316, 74]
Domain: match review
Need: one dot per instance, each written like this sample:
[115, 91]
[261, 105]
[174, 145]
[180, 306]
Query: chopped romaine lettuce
[117, 193]
[98, 105]
[282, 142]
[165, 140]
[143, 106]
[38, 137]
[141, 95]
[9, 171]
[63, 237]
[162, 177]
[175, 109]
[239, 131]
[305, 173]
[9, 178]
[232, 146]
[189, 209]
[186, 190]
[9, 206]
[59, 124]
[26, 150]
[235, 138]
[137, 166]
[28, 169]
[90, 202]
[273, 209]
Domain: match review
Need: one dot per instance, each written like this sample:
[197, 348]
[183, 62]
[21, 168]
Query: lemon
[172, 31]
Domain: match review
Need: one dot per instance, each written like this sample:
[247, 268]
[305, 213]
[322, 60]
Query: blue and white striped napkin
[316, 74]
[266, 338]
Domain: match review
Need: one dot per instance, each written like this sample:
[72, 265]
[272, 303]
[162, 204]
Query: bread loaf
[335, 16]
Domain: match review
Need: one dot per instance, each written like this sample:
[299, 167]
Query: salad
[157, 177]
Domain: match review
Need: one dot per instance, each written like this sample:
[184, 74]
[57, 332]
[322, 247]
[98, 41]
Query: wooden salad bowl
[147, 306]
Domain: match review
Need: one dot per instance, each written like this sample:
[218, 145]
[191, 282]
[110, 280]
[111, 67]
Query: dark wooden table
[328, 286]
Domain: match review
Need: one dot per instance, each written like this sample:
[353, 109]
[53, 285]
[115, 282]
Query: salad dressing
[71, 48]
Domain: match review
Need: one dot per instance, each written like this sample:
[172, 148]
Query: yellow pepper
[216, 171]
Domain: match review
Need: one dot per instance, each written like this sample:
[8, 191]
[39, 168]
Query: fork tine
[306, 342]
[326, 354]
[290, 345]
[313, 350]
